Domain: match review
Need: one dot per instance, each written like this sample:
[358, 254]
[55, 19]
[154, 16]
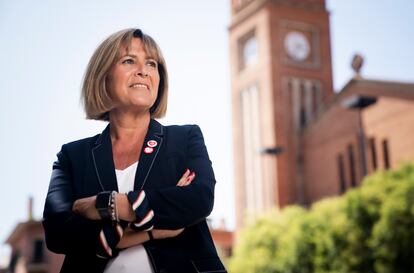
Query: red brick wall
[391, 119]
[322, 143]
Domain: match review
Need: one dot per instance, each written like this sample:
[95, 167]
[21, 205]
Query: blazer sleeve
[178, 207]
[65, 231]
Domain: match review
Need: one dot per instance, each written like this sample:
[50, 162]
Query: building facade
[294, 141]
[28, 250]
[333, 159]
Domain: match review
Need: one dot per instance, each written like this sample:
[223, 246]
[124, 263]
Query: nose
[142, 74]
[141, 71]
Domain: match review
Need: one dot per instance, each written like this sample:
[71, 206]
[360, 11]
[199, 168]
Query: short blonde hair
[95, 96]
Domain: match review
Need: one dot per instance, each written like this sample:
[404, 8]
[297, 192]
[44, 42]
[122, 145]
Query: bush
[392, 240]
[369, 229]
[274, 243]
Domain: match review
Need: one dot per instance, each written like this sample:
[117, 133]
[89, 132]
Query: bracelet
[150, 235]
[102, 204]
[114, 208]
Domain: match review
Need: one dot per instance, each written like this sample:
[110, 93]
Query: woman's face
[133, 80]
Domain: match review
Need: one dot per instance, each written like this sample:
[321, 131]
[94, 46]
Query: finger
[181, 182]
[172, 233]
[183, 178]
[178, 231]
[77, 206]
[188, 180]
[74, 207]
[186, 173]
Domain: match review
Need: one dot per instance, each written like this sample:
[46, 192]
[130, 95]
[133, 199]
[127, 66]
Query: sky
[46, 45]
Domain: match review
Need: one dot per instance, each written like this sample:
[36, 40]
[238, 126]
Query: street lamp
[359, 103]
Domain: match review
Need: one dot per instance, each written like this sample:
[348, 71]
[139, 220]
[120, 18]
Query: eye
[128, 61]
[152, 63]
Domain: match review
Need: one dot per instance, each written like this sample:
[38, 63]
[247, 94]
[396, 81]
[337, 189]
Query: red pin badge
[148, 150]
[152, 143]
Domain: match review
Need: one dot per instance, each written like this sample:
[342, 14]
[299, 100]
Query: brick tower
[281, 74]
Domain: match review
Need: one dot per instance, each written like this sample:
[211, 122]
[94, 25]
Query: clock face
[297, 46]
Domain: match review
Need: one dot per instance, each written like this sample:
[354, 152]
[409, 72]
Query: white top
[133, 259]
[126, 178]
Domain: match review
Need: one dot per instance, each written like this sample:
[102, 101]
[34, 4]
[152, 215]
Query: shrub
[369, 229]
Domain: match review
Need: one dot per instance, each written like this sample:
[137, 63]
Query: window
[385, 151]
[341, 173]
[13, 261]
[251, 140]
[305, 97]
[374, 163]
[249, 52]
[316, 96]
[38, 251]
[302, 113]
[351, 159]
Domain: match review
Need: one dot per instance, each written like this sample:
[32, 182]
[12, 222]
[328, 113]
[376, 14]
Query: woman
[134, 198]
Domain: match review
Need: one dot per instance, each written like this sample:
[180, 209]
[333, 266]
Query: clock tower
[281, 75]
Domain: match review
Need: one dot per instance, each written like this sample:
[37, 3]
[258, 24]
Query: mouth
[139, 85]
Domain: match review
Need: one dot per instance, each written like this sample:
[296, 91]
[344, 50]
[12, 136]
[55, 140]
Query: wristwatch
[103, 201]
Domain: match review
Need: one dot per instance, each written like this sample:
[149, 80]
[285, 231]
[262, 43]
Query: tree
[369, 229]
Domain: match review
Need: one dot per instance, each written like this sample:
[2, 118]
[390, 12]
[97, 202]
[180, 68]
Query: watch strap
[103, 200]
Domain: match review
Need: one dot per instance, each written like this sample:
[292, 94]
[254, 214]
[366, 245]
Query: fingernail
[190, 178]
[186, 171]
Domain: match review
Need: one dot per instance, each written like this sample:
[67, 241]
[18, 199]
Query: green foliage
[369, 229]
[274, 243]
[393, 235]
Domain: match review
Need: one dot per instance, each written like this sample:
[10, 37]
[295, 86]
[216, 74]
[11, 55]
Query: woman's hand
[165, 233]
[186, 179]
[133, 238]
[86, 208]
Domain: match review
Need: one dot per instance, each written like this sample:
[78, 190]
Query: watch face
[297, 46]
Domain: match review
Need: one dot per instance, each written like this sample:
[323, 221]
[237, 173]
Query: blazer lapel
[103, 158]
[104, 163]
[150, 148]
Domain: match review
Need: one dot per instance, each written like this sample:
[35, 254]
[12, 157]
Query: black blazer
[85, 168]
